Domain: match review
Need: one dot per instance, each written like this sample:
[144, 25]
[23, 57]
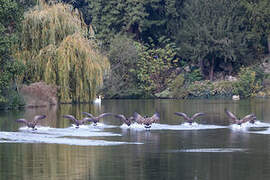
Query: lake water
[211, 150]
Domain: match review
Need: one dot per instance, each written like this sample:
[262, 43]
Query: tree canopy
[213, 33]
[55, 49]
[148, 44]
[10, 17]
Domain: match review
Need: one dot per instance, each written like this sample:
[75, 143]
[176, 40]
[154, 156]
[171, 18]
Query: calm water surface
[110, 151]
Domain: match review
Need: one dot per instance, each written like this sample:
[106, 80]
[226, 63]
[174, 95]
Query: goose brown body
[127, 121]
[95, 119]
[233, 119]
[146, 121]
[76, 121]
[191, 119]
[31, 124]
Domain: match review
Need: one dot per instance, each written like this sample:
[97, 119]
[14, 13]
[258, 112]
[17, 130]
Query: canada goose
[147, 121]
[251, 118]
[191, 119]
[96, 119]
[127, 121]
[76, 121]
[32, 124]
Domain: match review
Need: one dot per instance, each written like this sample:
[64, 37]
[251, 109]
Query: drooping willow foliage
[55, 50]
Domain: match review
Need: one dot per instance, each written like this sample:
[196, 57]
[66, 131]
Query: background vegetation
[151, 48]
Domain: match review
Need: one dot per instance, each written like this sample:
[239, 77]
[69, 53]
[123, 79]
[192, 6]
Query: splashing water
[249, 126]
[82, 131]
[184, 126]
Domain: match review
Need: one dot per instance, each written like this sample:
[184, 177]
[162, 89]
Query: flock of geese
[136, 118]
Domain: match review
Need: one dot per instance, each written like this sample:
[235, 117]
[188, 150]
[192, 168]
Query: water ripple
[211, 150]
[24, 137]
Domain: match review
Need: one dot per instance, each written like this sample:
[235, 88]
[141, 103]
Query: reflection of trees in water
[54, 162]
[40, 161]
[149, 160]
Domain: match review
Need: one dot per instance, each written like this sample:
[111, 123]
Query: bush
[39, 94]
[121, 81]
[205, 89]
[176, 86]
[194, 75]
[11, 99]
[155, 68]
[248, 85]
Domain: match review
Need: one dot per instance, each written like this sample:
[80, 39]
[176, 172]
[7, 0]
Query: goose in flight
[233, 119]
[127, 121]
[191, 119]
[95, 119]
[32, 124]
[76, 121]
[147, 121]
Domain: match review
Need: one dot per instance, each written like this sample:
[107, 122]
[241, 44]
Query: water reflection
[208, 154]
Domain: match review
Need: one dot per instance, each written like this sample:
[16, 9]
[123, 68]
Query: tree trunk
[268, 39]
[212, 69]
[202, 67]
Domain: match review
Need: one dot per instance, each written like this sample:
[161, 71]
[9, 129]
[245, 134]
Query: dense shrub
[248, 85]
[194, 75]
[39, 94]
[206, 89]
[155, 68]
[121, 81]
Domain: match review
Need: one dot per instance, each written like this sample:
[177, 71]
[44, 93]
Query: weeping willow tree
[54, 48]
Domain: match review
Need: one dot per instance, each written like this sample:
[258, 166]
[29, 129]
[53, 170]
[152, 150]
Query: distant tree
[116, 16]
[212, 33]
[155, 68]
[123, 56]
[259, 18]
[146, 21]
[10, 18]
[162, 21]
[26, 4]
[54, 47]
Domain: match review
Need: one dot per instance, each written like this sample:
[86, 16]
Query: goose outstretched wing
[197, 115]
[183, 115]
[121, 117]
[21, 121]
[104, 115]
[248, 118]
[232, 117]
[88, 114]
[70, 117]
[138, 118]
[37, 118]
[155, 118]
